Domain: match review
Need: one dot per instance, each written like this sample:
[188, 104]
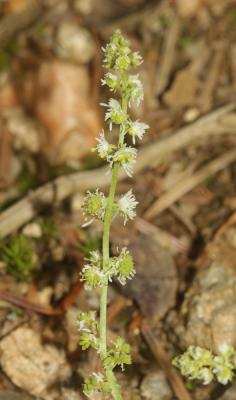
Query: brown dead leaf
[59, 96]
[16, 6]
[155, 284]
[183, 91]
[188, 8]
[8, 96]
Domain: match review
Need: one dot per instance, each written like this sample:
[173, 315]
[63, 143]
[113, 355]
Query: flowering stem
[99, 270]
[105, 257]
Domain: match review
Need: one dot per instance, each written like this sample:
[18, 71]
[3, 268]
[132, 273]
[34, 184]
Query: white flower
[136, 59]
[223, 373]
[95, 258]
[137, 129]
[93, 277]
[195, 352]
[98, 376]
[126, 156]
[225, 348]
[205, 375]
[103, 146]
[135, 89]
[127, 204]
[82, 326]
[114, 114]
[111, 80]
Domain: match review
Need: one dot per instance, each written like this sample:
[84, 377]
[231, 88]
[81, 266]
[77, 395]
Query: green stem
[115, 388]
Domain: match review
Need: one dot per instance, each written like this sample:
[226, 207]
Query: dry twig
[154, 154]
[183, 187]
[170, 242]
[212, 78]
[168, 57]
[164, 362]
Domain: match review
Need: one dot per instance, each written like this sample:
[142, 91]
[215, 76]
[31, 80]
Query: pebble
[74, 43]
[155, 387]
[25, 131]
[211, 315]
[33, 230]
[35, 367]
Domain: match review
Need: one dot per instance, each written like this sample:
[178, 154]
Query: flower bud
[125, 266]
[137, 129]
[126, 156]
[94, 204]
[127, 204]
[111, 80]
[104, 148]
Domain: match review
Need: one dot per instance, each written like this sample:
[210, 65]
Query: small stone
[30, 365]
[224, 327]
[84, 7]
[191, 114]
[44, 296]
[25, 131]
[209, 306]
[74, 43]
[71, 122]
[155, 387]
[69, 394]
[77, 200]
[188, 8]
[57, 253]
[33, 230]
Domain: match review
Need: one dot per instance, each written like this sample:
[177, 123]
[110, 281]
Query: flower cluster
[96, 383]
[95, 206]
[88, 327]
[199, 363]
[92, 273]
[124, 266]
[121, 267]
[118, 59]
[104, 148]
[118, 55]
[117, 355]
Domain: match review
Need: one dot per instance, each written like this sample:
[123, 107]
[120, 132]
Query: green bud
[112, 81]
[94, 204]
[122, 63]
[135, 59]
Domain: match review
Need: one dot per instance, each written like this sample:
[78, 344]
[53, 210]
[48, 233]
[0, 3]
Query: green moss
[232, 15]
[17, 253]
[7, 53]
[26, 180]
[49, 228]
[164, 21]
[185, 39]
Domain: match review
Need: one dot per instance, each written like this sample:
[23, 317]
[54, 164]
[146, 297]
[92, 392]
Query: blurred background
[184, 238]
